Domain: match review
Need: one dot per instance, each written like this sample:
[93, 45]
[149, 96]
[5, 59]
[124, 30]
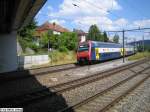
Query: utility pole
[48, 45]
[50, 33]
[143, 46]
[143, 43]
[134, 45]
[125, 40]
[123, 46]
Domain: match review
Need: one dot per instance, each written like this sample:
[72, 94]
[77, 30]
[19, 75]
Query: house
[57, 29]
[81, 35]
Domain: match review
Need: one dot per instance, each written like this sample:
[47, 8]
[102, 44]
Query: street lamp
[50, 32]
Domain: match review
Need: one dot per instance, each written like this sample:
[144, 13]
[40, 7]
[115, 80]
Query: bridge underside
[14, 14]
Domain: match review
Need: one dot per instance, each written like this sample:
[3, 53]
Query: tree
[63, 42]
[106, 39]
[116, 38]
[25, 35]
[48, 38]
[44, 39]
[27, 31]
[69, 40]
[94, 33]
[140, 48]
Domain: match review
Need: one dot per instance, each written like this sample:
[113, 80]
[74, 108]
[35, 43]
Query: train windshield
[83, 48]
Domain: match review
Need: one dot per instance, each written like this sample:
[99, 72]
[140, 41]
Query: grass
[58, 58]
[139, 55]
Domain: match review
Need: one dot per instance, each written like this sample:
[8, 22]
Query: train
[94, 51]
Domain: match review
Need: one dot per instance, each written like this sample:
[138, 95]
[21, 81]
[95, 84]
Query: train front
[83, 52]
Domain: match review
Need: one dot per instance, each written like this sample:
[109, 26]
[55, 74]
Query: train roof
[110, 43]
[104, 44]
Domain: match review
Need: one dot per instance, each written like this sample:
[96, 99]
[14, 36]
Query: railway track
[105, 99]
[17, 75]
[26, 98]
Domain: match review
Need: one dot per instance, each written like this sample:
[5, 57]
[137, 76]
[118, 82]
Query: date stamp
[11, 109]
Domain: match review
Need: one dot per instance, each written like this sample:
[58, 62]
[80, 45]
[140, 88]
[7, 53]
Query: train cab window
[83, 48]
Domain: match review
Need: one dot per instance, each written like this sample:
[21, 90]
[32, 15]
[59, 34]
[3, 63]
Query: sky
[106, 14]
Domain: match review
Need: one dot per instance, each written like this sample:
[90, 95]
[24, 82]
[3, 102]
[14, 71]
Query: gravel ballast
[78, 94]
[136, 101]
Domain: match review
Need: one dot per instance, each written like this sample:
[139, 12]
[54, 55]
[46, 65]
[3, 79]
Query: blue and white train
[90, 51]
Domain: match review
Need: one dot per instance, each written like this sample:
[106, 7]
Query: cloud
[121, 22]
[142, 23]
[88, 12]
[49, 7]
[85, 8]
[104, 23]
[87, 21]
[84, 13]
[43, 12]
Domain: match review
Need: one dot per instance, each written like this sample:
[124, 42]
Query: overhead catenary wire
[103, 9]
[100, 8]
[137, 10]
[106, 11]
[130, 30]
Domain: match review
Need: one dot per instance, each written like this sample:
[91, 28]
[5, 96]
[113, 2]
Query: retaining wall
[29, 61]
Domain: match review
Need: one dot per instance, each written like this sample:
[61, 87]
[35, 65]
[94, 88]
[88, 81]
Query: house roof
[52, 26]
[79, 32]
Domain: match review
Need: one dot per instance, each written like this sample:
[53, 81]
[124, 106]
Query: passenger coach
[99, 51]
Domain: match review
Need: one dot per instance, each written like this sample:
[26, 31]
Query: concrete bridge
[14, 14]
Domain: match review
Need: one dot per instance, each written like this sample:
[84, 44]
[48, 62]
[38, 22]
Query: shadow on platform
[20, 86]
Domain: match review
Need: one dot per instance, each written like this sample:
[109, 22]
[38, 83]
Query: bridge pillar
[8, 52]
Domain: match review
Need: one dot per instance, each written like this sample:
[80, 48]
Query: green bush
[63, 42]
[63, 49]
[23, 43]
[33, 46]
